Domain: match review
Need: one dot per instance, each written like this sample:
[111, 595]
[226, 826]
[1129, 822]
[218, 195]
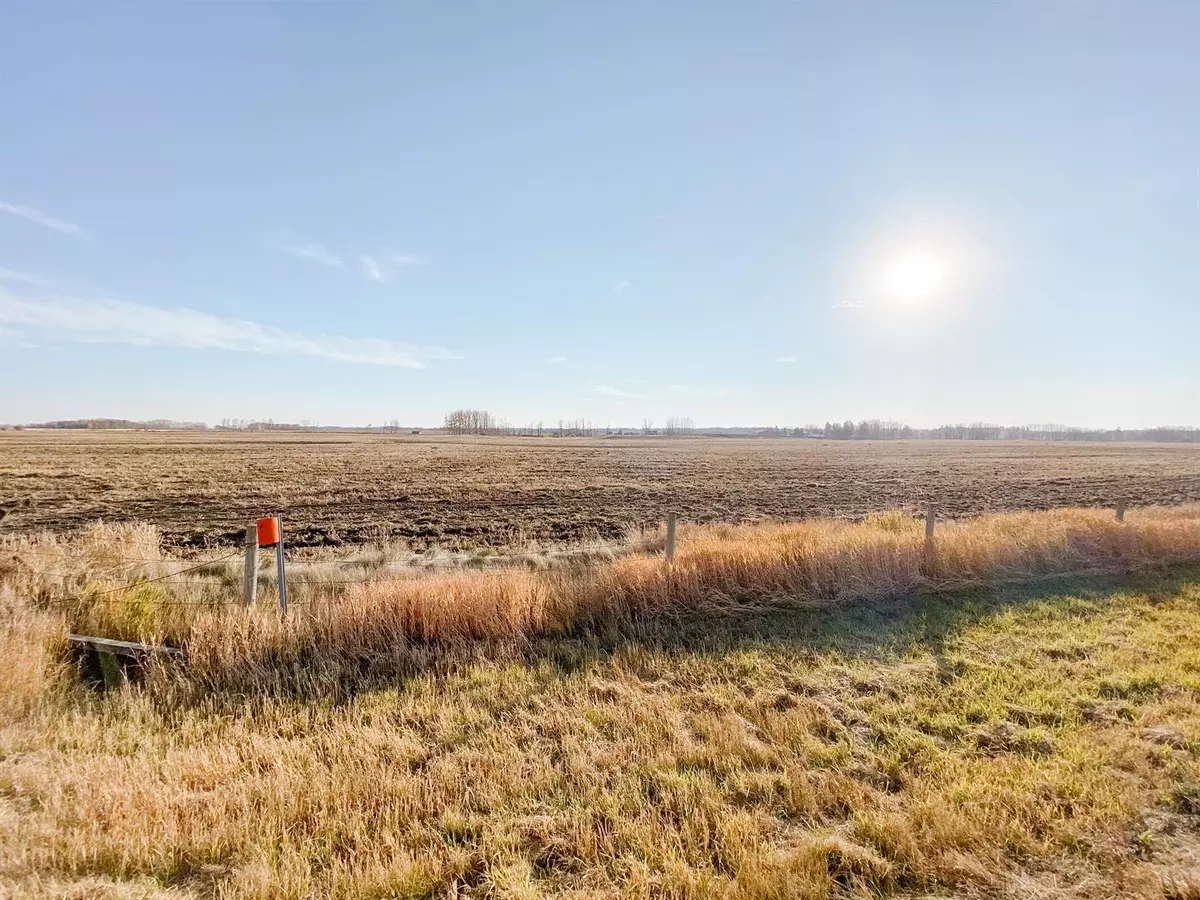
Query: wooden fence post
[930, 520]
[670, 537]
[1120, 510]
[280, 567]
[250, 573]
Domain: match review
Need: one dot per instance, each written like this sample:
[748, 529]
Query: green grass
[997, 742]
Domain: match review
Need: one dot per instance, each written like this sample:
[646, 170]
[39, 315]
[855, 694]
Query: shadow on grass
[868, 628]
[882, 629]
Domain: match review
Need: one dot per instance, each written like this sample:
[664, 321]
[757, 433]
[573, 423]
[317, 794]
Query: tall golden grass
[719, 571]
[803, 769]
[336, 633]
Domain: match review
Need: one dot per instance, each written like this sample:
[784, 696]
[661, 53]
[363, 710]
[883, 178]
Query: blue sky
[353, 213]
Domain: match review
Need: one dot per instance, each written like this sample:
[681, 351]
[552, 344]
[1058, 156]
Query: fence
[269, 533]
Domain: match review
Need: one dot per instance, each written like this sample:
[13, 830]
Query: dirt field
[461, 492]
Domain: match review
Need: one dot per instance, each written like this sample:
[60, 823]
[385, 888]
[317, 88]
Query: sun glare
[915, 276]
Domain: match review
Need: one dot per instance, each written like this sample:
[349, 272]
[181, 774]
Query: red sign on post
[268, 532]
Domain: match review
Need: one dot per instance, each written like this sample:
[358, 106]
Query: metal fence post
[670, 537]
[281, 570]
[250, 573]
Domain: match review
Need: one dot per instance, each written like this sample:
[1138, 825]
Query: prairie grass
[819, 710]
[389, 627]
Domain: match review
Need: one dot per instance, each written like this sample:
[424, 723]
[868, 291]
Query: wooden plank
[124, 648]
[670, 537]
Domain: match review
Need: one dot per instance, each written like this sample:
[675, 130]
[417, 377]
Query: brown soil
[462, 492]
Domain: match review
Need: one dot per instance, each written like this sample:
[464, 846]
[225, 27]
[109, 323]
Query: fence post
[930, 520]
[250, 573]
[1120, 510]
[280, 567]
[670, 537]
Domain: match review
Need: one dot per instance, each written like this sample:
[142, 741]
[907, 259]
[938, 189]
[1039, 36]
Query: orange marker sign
[268, 532]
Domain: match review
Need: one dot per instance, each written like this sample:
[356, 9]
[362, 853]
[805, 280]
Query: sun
[915, 276]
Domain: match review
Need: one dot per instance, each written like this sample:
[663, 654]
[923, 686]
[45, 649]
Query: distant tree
[679, 425]
[469, 421]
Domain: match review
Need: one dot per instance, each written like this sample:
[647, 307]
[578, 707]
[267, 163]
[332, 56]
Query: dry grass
[804, 711]
[391, 627]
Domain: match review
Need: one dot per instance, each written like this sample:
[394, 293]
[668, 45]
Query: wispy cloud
[557, 360]
[41, 218]
[371, 268]
[847, 304]
[377, 267]
[10, 337]
[620, 286]
[122, 322]
[608, 390]
[787, 359]
[36, 281]
[406, 259]
[316, 253]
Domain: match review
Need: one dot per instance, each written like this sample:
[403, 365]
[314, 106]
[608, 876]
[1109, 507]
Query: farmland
[463, 492]
[814, 709]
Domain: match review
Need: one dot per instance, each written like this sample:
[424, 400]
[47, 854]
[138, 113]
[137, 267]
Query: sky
[740, 213]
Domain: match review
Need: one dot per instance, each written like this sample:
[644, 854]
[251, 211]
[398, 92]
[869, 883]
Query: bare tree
[679, 425]
[470, 421]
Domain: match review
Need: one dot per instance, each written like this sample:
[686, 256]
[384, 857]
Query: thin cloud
[371, 268]
[121, 322]
[376, 267]
[608, 390]
[316, 253]
[10, 337]
[848, 304]
[405, 259]
[557, 360]
[34, 280]
[787, 359]
[622, 286]
[41, 218]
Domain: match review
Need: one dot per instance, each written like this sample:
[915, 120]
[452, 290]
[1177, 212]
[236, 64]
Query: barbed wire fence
[252, 573]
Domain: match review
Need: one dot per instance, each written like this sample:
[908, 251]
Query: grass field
[462, 493]
[815, 710]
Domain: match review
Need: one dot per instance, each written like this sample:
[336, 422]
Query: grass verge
[990, 742]
[816, 710]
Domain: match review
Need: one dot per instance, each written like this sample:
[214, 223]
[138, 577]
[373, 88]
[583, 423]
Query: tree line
[480, 421]
[878, 430]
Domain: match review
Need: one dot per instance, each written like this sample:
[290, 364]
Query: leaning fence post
[250, 573]
[670, 537]
[930, 520]
[1120, 510]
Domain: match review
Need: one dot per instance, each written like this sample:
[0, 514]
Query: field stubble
[463, 493]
